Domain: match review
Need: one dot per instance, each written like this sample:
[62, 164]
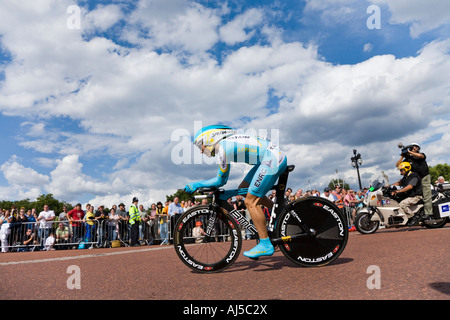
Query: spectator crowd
[90, 227]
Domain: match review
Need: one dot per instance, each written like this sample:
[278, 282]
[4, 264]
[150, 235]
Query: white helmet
[210, 135]
[415, 145]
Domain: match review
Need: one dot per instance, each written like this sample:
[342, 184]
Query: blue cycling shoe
[264, 248]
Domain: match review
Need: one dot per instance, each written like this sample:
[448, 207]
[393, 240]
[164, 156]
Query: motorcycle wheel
[364, 225]
[436, 223]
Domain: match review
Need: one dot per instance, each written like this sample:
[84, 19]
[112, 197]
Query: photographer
[419, 165]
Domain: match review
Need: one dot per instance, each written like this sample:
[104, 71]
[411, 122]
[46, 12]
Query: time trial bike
[310, 231]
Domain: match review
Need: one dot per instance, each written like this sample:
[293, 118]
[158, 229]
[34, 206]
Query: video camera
[405, 149]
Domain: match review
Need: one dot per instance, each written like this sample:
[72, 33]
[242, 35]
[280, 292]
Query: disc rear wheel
[323, 242]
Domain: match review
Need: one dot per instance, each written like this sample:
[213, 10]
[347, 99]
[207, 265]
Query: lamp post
[356, 162]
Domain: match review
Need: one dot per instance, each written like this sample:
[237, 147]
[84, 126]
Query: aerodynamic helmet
[405, 166]
[210, 135]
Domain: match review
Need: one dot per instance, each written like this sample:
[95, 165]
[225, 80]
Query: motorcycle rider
[410, 185]
[419, 165]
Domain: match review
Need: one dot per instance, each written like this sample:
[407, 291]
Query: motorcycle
[380, 208]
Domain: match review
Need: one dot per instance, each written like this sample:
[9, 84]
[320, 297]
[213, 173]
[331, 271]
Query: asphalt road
[403, 264]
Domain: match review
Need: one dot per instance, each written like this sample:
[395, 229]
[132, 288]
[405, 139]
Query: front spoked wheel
[313, 230]
[207, 241]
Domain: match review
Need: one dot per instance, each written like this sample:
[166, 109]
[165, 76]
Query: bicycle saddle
[290, 168]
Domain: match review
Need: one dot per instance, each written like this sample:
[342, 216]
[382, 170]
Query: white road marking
[82, 256]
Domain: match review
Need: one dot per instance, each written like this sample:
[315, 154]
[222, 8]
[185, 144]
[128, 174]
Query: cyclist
[268, 161]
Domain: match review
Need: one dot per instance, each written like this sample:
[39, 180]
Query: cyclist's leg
[259, 180]
[249, 177]
[265, 201]
[264, 247]
[263, 180]
[252, 203]
[244, 184]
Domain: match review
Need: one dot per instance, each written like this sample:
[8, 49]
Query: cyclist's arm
[219, 180]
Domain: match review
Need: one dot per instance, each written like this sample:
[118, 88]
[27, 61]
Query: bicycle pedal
[256, 259]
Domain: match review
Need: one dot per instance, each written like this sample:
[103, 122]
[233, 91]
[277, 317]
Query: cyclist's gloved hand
[191, 187]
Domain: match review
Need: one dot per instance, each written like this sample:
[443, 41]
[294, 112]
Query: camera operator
[419, 165]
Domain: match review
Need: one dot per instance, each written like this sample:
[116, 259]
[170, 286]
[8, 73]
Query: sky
[99, 100]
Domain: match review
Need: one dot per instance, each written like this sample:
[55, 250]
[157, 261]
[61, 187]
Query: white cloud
[102, 17]
[125, 102]
[235, 31]
[378, 98]
[420, 16]
[69, 182]
[368, 47]
[18, 175]
[333, 12]
[370, 105]
[423, 16]
[23, 182]
[175, 25]
[37, 74]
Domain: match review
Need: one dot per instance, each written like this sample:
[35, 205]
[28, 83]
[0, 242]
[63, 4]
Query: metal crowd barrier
[14, 237]
[50, 235]
[347, 210]
[348, 215]
[106, 233]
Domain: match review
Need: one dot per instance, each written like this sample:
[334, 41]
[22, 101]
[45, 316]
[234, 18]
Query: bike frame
[290, 228]
[220, 197]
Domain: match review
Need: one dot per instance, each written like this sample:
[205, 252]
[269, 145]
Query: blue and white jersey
[268, 161]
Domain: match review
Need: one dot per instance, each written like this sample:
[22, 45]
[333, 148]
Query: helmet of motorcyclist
[405, 166]
[210, 135]
[415, 145]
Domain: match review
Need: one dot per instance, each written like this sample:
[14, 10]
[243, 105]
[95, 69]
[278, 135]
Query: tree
[47, 199]
[181, 194]
[440, 170]
[6, 205]
[44, 199]
[334, 182]
[26, 203]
